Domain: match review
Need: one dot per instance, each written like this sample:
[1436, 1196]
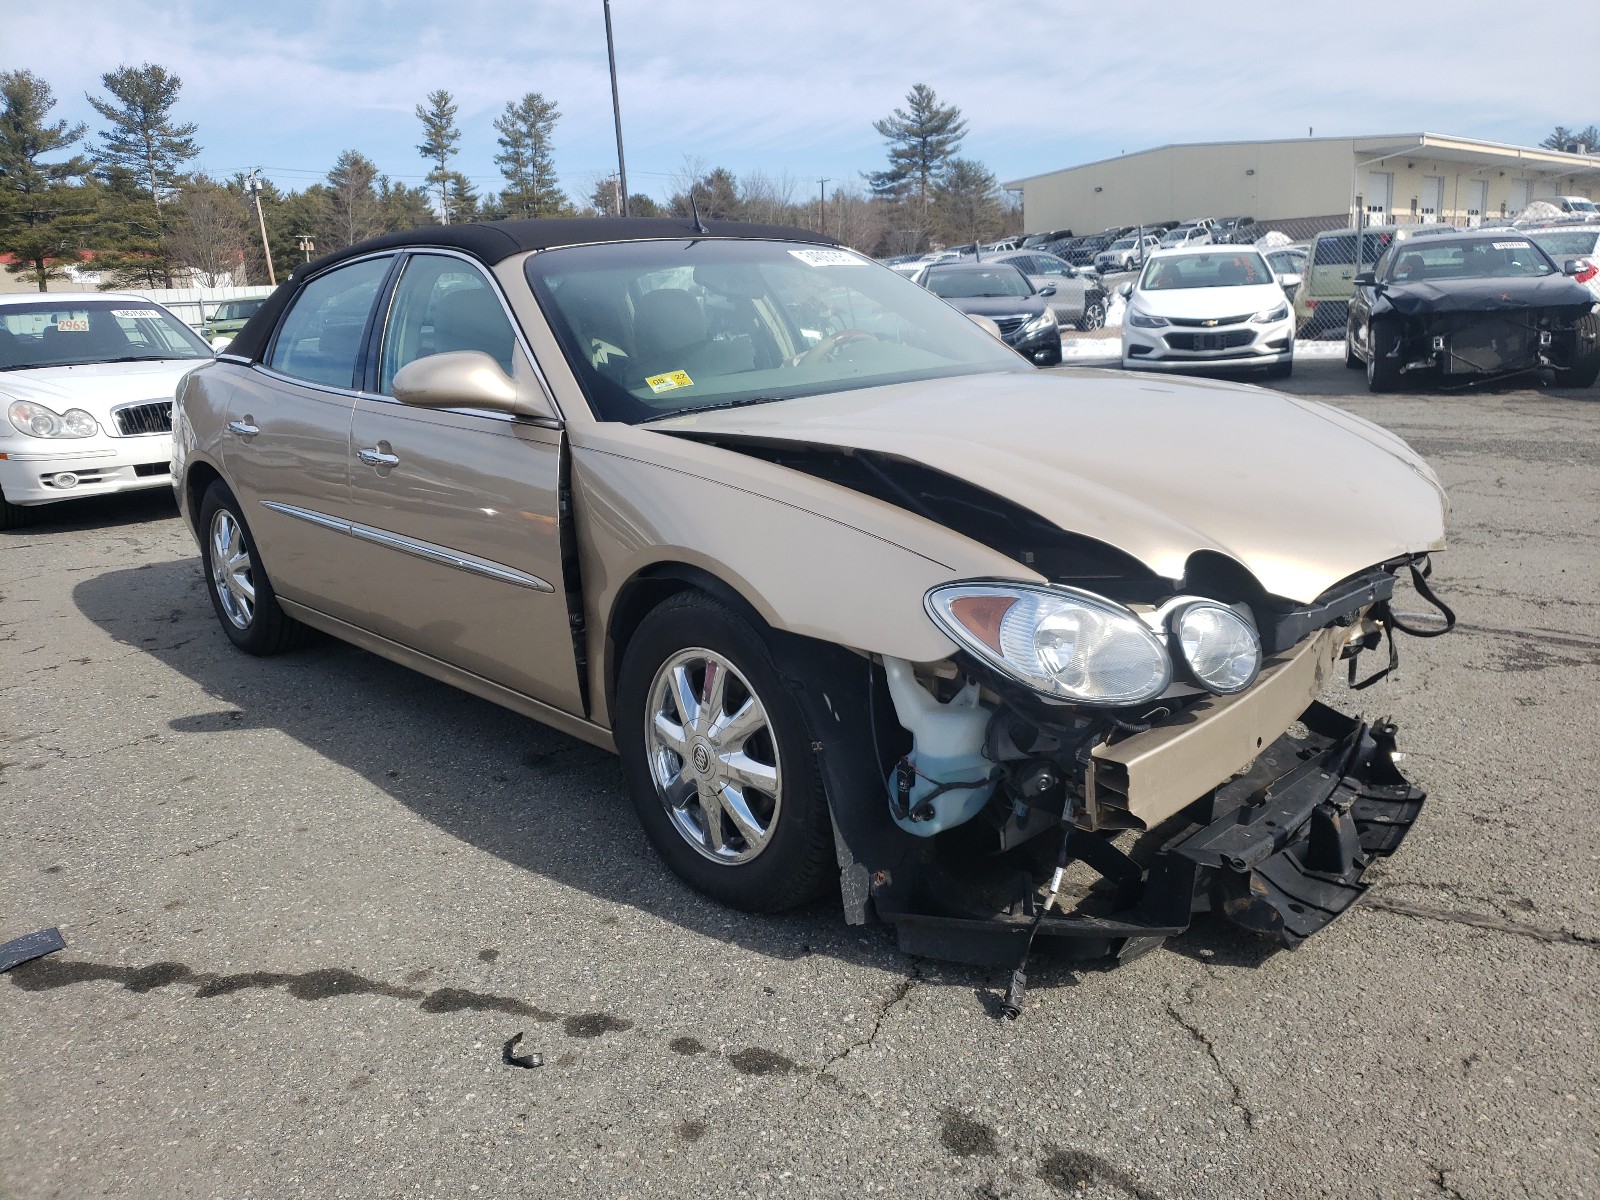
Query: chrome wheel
[713, 757]
[1094, 317]
[231, 577]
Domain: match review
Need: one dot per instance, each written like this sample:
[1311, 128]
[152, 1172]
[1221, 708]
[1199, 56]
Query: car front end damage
[1105, 829]
[1473, 335]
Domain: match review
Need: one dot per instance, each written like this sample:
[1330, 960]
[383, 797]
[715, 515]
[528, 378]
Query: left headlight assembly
[36, 420]
[1045, 320]
[1220, 647]
[1063, 643]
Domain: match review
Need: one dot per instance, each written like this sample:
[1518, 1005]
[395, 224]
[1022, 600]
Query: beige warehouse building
[1306, 184]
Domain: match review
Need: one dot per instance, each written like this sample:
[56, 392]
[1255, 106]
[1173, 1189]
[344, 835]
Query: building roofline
[1422, 141]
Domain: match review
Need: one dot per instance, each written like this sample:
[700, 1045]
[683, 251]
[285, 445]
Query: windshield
[653, 329]
[1124, 244]
[1568, 242]
[237, 310]
[1179, 271]
[71, 333]
[976, 284]
[1510, 258]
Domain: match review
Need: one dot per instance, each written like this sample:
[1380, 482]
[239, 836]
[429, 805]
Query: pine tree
[526, 160]
[355, 210]
[463, 197]
[967, 202]
[923, 138]
[440, 136]
[44, 207]
[143, 142]
[402, 207]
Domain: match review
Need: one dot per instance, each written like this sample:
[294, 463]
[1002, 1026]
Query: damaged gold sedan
[857, 593]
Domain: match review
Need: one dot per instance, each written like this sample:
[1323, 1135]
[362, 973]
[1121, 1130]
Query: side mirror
[1289, 280]
[1573, 266]
[461, 379]
[1365, 279]
[1125, 290]
[1048, 289]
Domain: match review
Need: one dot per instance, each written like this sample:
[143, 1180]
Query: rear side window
[320, 338]
[1340, 251]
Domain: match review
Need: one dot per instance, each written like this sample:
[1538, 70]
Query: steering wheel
[828, 347]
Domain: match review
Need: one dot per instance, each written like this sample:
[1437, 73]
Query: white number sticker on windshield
[828, 258]
[1511, 245]
[73, 325]
[137, 313]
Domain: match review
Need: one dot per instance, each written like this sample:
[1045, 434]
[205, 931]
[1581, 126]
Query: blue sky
[793, 89]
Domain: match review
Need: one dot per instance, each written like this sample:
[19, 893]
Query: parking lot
[309, 901]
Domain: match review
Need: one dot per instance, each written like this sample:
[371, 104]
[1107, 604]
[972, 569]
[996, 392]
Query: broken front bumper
[1279, 850]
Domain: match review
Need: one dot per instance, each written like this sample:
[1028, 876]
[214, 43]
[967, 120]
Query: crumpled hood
[1481, 295]
[97, 387]
[1301, 494]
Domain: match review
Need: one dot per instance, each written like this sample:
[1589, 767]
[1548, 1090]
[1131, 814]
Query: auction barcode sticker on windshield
[828, 258]
[1511, 245]
[672, 379]
[136, 313]
[73, 325]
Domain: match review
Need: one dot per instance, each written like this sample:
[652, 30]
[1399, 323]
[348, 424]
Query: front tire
[241, 594]
[1094, 316]
[1352, 360]
[1585, 367]
[1383, 372]
[719, 760]
[12, 516]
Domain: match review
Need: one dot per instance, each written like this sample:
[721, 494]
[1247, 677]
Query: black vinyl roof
[491, 242]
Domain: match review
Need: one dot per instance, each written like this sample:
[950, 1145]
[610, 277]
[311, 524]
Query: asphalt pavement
[337, 930]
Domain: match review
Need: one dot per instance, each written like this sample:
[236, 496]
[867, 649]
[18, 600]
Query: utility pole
[306, 244]
[822, 207]
[616, 111]
[253, 182]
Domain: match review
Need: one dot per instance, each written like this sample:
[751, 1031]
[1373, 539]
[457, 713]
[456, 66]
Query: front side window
[658, 328]
[443, 304]
[51, 333]
[320, 338]
[1049, 265]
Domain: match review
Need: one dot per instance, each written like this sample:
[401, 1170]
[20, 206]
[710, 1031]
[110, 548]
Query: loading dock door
[1477, 202]
[1432, 199]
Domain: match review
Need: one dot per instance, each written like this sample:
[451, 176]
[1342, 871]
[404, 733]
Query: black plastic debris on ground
[30, 947]
[511, 1058]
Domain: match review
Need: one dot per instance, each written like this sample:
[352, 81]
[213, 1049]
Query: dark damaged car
[1470, 308]
[865, 602]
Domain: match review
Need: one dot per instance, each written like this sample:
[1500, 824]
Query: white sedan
[86, 387]
[1208, 307]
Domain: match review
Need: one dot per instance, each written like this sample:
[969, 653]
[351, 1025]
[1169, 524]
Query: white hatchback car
[1208, 307]
[86, 387]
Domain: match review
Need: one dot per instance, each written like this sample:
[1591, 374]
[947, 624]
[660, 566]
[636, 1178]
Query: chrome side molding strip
[419, 549]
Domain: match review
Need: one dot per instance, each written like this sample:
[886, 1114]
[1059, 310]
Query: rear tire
[724, 779]
[241, 594]
[1383, 372]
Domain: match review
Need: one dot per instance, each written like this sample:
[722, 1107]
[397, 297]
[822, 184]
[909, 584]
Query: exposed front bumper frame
[1281, 852]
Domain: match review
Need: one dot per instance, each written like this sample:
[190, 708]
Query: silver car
[1080, 299]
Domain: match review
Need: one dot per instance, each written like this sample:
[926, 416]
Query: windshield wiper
[726, 404]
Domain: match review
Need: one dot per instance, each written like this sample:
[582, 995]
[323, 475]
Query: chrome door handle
[374, 457]
[243, 428]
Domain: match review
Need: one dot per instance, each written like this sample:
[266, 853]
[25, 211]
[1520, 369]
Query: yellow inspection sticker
[672, 379]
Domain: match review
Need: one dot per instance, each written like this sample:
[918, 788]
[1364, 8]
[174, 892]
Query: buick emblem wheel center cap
[702, 759]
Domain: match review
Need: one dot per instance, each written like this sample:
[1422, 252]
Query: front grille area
[135, 419]
[145, 470]
[1211, 341]
[1009, 325]
[1208, 322]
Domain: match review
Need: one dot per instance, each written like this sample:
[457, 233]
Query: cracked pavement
[310, 901]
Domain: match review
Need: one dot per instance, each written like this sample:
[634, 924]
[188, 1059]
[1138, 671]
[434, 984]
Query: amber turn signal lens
[981, 615]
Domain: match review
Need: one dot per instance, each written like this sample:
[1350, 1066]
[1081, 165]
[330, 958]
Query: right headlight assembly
[1219, 646]
[1061, 642]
